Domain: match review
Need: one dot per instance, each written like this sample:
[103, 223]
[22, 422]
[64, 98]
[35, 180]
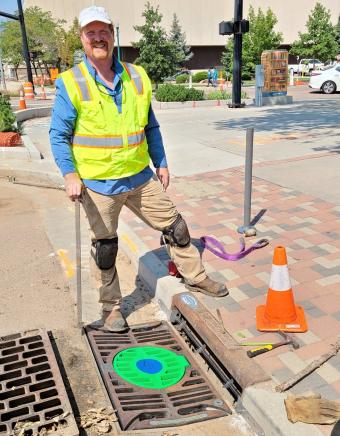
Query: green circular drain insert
[150, 367]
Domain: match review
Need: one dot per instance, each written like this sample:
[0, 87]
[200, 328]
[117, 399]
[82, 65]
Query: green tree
[177, 37]
[10, 43]
[337, 35]
[261, 36]
[320, 39]
[157, 54]
[42, 35]
[68, 43]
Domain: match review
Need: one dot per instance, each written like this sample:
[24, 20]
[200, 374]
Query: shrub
[223, 95]
[7, 117]
[169, 92]
[182, 78]
[246, 75]
[200, 75]
[219, 95]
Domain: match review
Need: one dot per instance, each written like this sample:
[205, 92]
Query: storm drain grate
[32, 394]
[147, 349]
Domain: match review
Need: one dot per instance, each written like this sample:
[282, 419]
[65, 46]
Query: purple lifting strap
[217, 248]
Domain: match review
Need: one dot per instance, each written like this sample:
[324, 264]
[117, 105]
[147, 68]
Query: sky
[8, 6]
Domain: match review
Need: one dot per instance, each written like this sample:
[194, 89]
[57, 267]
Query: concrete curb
[26, 152]
[32, 177]
[149, 268]
[267, 408]
[36, 112]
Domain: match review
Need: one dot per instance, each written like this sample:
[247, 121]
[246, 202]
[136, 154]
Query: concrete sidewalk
[309, 228]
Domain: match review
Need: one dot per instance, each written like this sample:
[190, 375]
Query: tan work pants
[154, 207]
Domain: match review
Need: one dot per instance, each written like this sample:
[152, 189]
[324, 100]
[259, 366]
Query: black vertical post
[237, 63]
[24, 42]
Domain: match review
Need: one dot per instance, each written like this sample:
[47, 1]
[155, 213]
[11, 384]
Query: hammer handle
[260, 350]
[265, 349]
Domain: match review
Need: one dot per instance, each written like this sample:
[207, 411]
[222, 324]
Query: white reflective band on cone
[279, 279]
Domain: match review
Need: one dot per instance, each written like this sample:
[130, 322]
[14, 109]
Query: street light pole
[237, 63]
[118, 46]
[24, 42]
[21, 20]
[236, 27]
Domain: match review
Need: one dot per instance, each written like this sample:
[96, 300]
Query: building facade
[199, 20]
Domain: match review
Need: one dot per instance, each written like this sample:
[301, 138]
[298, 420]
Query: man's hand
[164, 177]
[73, 186]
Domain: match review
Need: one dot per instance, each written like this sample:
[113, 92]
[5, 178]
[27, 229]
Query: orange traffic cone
[280, 311]
[22, 102]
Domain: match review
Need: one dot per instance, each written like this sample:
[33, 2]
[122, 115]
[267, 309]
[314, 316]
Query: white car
[327, 80]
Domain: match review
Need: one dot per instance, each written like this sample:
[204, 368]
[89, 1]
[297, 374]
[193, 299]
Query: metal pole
[25, 43]
[118, 46]
[21, 20]
[259, 82]
[247, 229]
[2, 74]
[78, 264]
[237, 62]
[248, 176]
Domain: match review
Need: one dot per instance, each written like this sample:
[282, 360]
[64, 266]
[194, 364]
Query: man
[103, 134]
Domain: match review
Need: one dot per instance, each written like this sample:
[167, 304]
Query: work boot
[209, 287]
[113, 321]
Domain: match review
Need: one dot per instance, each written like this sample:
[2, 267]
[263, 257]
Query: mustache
[98, 42]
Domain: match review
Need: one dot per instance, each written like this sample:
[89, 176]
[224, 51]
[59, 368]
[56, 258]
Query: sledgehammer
[269, 347]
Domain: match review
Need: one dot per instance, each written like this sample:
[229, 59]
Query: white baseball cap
[93, 13]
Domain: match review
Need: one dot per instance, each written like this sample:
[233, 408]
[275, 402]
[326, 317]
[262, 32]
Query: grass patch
[223, 95]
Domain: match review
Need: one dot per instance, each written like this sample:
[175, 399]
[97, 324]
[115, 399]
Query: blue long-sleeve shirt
[63, 121]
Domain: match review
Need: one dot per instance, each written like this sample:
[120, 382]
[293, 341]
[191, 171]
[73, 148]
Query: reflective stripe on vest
[135, 77]
[84, 90]
[81, 83]
[134, 139]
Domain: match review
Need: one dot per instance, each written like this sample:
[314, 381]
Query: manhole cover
[151, 379]
[150, 367]
[32, 394]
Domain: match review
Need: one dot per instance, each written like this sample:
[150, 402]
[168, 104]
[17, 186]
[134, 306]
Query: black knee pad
[177, 234]
[105, 252]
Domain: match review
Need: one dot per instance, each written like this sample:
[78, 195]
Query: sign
[189, 300]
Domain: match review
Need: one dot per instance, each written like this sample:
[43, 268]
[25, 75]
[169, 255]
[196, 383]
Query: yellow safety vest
[107, 144]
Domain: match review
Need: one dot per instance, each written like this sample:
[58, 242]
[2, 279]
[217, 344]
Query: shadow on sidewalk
[153, 265]
[319, 114]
